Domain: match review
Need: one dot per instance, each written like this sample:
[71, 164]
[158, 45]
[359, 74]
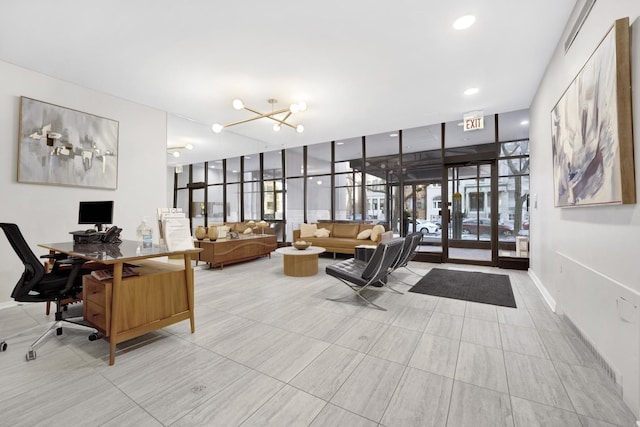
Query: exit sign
[473, 121]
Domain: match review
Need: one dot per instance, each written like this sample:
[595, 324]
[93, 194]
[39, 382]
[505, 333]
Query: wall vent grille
[582, 16]
[608, 370]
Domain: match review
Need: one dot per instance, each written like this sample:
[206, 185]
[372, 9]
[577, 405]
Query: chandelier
[279, 116]
[175, 151]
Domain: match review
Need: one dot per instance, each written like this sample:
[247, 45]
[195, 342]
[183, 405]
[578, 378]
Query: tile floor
[271, 350]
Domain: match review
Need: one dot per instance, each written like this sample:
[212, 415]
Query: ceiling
[362, 68]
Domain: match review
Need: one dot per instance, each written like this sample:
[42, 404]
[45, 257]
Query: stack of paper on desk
[107, 273]
[177, 234]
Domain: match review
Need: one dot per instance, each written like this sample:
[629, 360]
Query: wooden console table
[228, 251]
[124, 308]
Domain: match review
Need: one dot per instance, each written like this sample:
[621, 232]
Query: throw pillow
[364, 234]
[307, 230]
[376, 232]
[321, 232]
[247, 230]
[223, 231]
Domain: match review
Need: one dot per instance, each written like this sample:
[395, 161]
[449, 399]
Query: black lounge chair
[408, 252]
[360, 275]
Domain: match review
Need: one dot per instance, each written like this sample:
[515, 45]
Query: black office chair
[62, 283]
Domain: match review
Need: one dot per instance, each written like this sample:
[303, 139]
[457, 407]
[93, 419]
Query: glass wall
[233, 202]
[319, 159]
[273, 200]
[394, 178]
[272, 162]
[319, 200]
[382, 166]
[348, 179]
[273, 192]
[319, 168]
[215, 204]
[513, 169]
[233, 170]
[295, 205]
[422, 176]
[252, 188]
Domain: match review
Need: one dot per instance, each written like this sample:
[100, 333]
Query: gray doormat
[468, 286]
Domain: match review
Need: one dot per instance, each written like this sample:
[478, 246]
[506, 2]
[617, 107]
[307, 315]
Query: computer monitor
[98, 213]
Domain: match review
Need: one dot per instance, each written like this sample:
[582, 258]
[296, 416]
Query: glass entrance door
[422, 210]
[472, 228]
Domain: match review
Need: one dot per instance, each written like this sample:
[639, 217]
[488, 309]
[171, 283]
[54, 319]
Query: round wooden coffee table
[300, 263]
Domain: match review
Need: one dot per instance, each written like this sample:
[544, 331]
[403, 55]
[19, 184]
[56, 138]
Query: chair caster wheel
[3, 345]
[31, 355]
[94, 336]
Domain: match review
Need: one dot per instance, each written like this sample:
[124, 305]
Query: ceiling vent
[582, 16]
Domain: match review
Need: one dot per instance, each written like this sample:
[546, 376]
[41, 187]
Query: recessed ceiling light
[464, 22]
[234, 171]
[471, 91]
[524, 122]
[461, 124]
[339, 143]
[393, 135]
[247, 157]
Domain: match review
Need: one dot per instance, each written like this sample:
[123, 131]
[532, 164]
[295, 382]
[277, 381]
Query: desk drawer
[94, 292]
[96, 315]
[97, 303]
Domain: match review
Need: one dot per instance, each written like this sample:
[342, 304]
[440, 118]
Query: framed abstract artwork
[592, 129]
[61, 146]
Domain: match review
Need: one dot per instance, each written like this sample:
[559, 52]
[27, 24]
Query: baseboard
[543, 291]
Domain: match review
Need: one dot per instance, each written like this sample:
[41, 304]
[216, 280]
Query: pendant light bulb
[238, 104]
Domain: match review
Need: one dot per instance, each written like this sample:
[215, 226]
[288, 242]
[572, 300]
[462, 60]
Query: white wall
[46, 213]
[598, 245]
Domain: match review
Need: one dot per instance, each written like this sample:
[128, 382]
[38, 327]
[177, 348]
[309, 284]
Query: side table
[300, 263]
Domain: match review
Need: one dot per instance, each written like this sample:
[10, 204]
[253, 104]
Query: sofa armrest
[296, 235]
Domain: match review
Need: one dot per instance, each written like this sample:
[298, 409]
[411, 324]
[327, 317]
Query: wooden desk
[126, 308]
